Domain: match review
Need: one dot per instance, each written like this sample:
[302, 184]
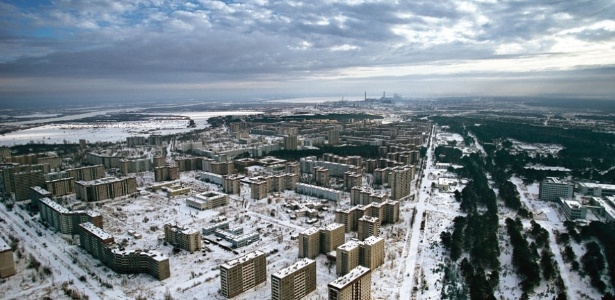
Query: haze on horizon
[160, 49]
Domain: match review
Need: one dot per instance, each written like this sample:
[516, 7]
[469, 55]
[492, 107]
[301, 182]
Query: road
[410, 253]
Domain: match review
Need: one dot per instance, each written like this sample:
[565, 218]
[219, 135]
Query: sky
[97, 50]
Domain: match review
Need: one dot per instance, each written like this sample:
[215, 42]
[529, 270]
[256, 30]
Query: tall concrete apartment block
[61, 187]
[551, 189]
[15, 185]
[159, 161]
[321, 176]
[87, 173]
[7, 261]
[293, 168]
[101, 245]
[243, 273]
[400, 179]
[105, 188]
[65, 221]
[386, 212]
[184, 238]
[368, 226]
[314, 241]
[260, 186]
[231, 184]
[356, 285]
[334, 137]
[352, 179]
[294, 282]
[291, 142]
[37, 193]
[166, 173]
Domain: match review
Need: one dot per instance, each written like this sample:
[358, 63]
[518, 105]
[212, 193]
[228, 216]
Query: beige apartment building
[294, 282]
[65, 221]
[243, 273]
[356, 285]
[314, 241]
[7, 261]
[184, 238]
[368, 226]
[105, 188]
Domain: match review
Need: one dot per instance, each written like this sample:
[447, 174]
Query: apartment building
[291, 142]
[243, 273]
[105, 188]
[258, 189]
[7, 262]
[333, 136]
[347, 257]
[166, 173]
[23, 181]
[107, 160]
[101, 245]
[318, 191]
[61, 187]
[294, 282]
[184, 238]
[387, 212]
[552, 188]
[371, 252]
[400, 179]
[86, 173]
[314, 241]
[231, 184]
[208, 200]
[356, 285]
[135, 165]
[65, 221]
[368, 226]
[321, 176]
[37, 193]
[352, 179]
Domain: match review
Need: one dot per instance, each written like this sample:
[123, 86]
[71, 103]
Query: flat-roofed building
[25, 180]
[65, 221]
[321, 176]
[552, 188]
[347, 257]
[596, 189]
[7, 261]
[368, 226]
[208, 200]
[101, 245]
[356, 285]
[294, 282]
[37, 193]
[331, 237]
[61, 187]
[87, 173]
[258, 189]
[166, 173]
[309, 243]
[231, 184]
[184, 238]
[371, 252]
[105, 188]
[352, 179]
[243, 273]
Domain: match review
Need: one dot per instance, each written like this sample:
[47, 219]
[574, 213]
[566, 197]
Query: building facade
[551, 189]
[105, 188]
[294, 282]
[184, 238]
[243, 273]
[65, 221]
[7, 261]
[356, 285]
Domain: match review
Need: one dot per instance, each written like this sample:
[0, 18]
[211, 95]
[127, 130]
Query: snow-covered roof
[310, 231]
[598, 185]
[372, 240]
[55, 206]
[332, 226]
[242, 259]
[101, 234]
[293, 268]
[349, 245]
[350, 277]
[4, 246]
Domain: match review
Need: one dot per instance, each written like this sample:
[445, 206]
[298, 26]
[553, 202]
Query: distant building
[231, 184]
[368, 226]
[596, 189]
[105, 188]
[61, 187]
[294, 282]
[208, 200]
[243, 273]
[318, 191]
[25, 180]
[573, 209]
[37, 193]
[65, 221]
[7, 262]
[551, 189]
[354, 285]
[101, 245]
[352, 179]
[321, 176]
[314, 241]
[184, 238]
[166, 173]
[290, 142]
[334, 137]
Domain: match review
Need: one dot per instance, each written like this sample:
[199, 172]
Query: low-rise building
[208, 200]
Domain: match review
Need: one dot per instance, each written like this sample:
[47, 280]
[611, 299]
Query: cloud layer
[204, 49]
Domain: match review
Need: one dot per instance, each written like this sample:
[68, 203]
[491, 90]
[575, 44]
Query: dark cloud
[289, 44]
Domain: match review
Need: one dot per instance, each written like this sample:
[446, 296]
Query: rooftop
[350, 277]
[302, 263]
[598, 185]
[349, 245]
[55, 206]
[310, 231]
[4, 245]
[372, 240]
[242, 259]
[101, 234]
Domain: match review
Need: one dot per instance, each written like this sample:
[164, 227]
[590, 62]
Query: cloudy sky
[206, 49]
